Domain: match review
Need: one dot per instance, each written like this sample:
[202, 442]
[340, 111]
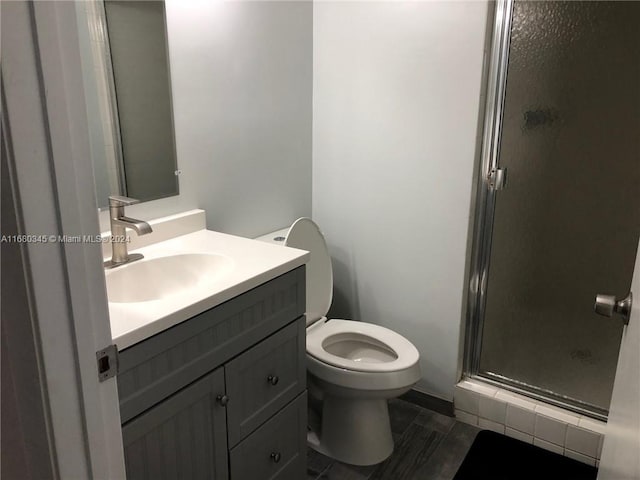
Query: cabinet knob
[275, 456]
[273, 379]
[222, 400]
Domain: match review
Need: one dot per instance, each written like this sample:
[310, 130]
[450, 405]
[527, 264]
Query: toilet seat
[351, 347]
[380, 338]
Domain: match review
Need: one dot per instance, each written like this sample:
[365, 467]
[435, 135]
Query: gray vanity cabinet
[182, 437]
[222, 395]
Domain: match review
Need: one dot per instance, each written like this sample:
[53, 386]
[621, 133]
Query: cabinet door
[184, 436]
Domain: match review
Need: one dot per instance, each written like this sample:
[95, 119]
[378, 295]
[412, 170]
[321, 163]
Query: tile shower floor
[428, 445]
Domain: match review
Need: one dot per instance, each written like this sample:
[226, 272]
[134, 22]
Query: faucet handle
[120, 201]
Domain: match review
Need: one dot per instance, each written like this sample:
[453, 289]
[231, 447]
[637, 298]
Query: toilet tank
[276, 237]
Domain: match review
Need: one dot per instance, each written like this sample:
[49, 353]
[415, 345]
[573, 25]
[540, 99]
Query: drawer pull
[222, 400]
[275, 456]
[273, 379]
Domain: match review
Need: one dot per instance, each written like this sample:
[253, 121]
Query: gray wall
[241, 76]
[396, 101]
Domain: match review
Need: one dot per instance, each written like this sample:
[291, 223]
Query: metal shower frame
[483, 225]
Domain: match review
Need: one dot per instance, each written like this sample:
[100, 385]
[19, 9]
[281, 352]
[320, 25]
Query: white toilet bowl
[353, 367]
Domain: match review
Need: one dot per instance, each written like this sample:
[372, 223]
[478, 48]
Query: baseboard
[429, 402]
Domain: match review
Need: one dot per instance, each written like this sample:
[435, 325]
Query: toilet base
[354, 430]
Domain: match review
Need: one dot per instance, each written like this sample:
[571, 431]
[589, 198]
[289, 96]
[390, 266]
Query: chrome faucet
[119, 225]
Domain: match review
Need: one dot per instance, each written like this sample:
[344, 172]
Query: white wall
[396, 91]
[241, 82]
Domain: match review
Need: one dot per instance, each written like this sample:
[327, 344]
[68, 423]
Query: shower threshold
[494, 406]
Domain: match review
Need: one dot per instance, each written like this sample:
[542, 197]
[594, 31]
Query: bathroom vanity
[221, 394]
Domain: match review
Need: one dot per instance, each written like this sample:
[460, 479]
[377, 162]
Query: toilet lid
[305, 235]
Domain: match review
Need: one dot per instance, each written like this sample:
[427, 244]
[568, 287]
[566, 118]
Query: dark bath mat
[497, 457]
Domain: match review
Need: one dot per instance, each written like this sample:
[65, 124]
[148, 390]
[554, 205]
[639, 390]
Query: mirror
[128, 88]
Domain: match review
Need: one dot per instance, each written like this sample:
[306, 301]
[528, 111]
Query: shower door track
[483, 225]
[541, 394]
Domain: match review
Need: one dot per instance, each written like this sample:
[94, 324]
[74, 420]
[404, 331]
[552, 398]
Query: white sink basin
[182, 276]
[166, 276]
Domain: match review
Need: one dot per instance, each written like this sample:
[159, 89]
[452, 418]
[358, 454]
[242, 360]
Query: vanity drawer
[277, 450]
[264, 379]
[157, 367]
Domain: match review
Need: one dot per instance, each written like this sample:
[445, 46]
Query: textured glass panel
[566, 226]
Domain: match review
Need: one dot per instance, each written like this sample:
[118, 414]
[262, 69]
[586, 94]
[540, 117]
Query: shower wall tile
[492, 409]
[479, 388]
[466, 400]
[515, 399]
[580, 457]
[582, 441]
[518, 435]
[557, 414]
[552, 447]
[521, 419]
[599, 454]
[491, 425]
[593, 425]
[550, 429]
[529, 420]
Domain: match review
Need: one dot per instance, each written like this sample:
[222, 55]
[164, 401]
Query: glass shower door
[566, 226]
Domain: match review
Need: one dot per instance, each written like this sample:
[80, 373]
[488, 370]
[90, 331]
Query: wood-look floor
[428, 445]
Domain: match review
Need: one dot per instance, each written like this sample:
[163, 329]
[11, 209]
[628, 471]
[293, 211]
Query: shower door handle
[607, 305]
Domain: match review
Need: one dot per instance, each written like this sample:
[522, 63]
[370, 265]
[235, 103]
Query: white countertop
[255, 263]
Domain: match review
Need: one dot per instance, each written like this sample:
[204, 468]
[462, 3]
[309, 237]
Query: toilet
[353, 367]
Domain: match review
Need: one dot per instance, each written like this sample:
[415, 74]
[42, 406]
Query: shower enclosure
[558, 213]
